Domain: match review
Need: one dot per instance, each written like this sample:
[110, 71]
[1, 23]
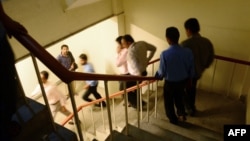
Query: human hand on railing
[13, 27]
[158, 76]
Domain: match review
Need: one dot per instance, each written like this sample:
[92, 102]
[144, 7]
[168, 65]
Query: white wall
[47, 21]
[98, 42]
[225, 22]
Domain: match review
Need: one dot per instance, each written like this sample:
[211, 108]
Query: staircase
[36, 124]
[207, 125]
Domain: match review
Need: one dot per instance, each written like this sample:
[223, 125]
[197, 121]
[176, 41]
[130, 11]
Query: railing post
[212, 82]
[43, 91]
[108, 109]
[73, 103]
[138, 105]
[156, 99]
[126, 108]
[148, 100]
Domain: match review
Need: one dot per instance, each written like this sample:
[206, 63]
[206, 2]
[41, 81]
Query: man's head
[172, 35]
[127, 40]
[83, 59]
[44, 76]
[192, 26]
[64, 49]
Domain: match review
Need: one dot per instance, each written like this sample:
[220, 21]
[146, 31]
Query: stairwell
[207, 125]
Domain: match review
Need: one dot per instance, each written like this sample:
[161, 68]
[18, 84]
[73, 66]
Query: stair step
[117, 136]
[188, 130]
[163, 133]
[149, 132]
[61, 134]
[37, 126]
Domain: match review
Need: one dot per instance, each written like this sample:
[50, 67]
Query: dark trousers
[132, 96]
[190, 96]
[91, 90]
[173, 96]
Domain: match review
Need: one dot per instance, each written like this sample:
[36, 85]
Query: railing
[67, 76]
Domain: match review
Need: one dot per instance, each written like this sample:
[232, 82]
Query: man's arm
[152, 49]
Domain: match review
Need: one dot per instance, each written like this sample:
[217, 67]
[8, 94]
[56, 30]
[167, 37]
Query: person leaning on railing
[9, 82]
[176, 68]
[137, 61]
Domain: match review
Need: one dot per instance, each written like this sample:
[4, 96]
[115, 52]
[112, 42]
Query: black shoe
[99, 104]
[175, 122]
[71, 122]
[182, 118]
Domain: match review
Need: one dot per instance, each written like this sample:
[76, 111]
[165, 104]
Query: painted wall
[224, 22]
[98, 42]
[48, 21]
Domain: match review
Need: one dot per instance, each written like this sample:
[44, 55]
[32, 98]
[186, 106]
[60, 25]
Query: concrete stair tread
[36, 125]
[188, 130]
[117, 136]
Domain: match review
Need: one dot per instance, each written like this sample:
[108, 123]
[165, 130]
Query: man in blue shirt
[176, 67]
[91, 85]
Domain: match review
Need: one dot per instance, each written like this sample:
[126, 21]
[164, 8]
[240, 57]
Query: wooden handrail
[232, 60]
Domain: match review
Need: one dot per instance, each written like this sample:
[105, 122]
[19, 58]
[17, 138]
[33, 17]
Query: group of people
[181, 66]
[56, 98]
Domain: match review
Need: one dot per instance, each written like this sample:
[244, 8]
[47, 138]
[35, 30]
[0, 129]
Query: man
[91, 85]
[68, 61]
[137, 61]
[66, 58]
[137, 58]
[56, 99]
[176, 67]
[9, 82]
[203, 52]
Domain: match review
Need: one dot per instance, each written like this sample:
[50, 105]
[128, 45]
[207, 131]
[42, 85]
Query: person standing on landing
[177, 68]
[203, 52]
[91, 85]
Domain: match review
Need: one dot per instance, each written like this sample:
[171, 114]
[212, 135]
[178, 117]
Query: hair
[119, 39]
[172, 34]
[45, 74]
[193, 25]
[83, 56]
[64, 45]
[128, 38]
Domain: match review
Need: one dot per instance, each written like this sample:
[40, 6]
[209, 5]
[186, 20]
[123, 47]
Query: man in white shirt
[56, 99]
[137, 61]
[137, 57]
